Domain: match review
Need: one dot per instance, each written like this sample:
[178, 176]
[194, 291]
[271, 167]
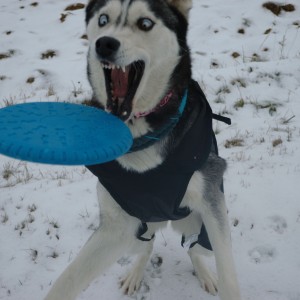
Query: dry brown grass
[277, 142]
[235, 142]
[277, 8]
[75, 6]
[48, 54]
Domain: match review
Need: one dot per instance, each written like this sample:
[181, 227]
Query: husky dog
[139, 68]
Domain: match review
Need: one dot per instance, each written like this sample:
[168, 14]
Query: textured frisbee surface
[62, 133]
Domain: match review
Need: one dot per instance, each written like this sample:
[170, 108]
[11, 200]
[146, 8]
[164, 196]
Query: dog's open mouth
[121, 86]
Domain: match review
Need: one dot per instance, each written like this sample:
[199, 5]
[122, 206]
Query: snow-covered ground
[247, 60]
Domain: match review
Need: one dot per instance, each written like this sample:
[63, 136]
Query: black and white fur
[165, 53]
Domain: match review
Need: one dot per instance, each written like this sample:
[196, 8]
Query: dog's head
[135, 49]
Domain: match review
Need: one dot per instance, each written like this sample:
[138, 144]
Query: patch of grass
[34, 4]
[260, 140]
[219, 100]
[239, 104]
[92, 102]
[287, 120]
[235, 142]
[297, 24]
[288, 7]
[15, 173]
[77, 90]
[273, 7]
[30, 80]
[84, 36]
[287, 130]
[214, 64]
[277, 142]
[267, 31]
[276, 8]
[4, 218]
[223, 90]
[241, 31]
[271, 106]
[50, 91]
[75, 6]
[5, 55]
[54, 254]
[225, 111]
[48, 54]
[9, 102]
[8, 171]
[235, 54]
[43, 72]
[63, 17]
[24, 224]
[239, 82]
[256, 58]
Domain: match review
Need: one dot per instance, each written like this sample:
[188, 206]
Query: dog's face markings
[133, 51]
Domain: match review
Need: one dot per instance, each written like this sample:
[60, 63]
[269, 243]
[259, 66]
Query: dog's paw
[131, 282]
[208, 282]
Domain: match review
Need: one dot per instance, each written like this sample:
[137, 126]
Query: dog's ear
[183, 6]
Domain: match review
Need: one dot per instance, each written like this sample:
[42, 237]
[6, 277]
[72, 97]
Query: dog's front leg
[105, 247]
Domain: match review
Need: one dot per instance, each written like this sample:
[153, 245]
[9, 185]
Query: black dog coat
[156, 195]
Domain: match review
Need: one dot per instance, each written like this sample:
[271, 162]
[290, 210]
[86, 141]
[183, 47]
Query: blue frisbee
[62, 134]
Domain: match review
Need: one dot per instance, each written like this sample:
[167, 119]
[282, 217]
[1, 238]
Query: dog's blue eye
[103, 20]
[145, 24]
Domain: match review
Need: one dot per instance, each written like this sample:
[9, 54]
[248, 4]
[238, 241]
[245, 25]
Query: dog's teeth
[123, 69]
[118, 67]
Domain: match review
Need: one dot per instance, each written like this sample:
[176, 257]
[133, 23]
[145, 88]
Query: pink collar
[162, 103]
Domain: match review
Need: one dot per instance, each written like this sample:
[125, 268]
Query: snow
[48, 212]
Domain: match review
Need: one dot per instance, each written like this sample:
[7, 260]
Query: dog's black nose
[107, 46]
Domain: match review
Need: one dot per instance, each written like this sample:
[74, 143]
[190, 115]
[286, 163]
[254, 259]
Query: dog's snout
[106, 46]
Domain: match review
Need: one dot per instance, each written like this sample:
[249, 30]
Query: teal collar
[151, 137]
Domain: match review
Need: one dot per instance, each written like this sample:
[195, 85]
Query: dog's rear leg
[214, 215]
[132, 281]
[105, 246]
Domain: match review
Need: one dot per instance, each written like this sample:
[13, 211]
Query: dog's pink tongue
[120, 82]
